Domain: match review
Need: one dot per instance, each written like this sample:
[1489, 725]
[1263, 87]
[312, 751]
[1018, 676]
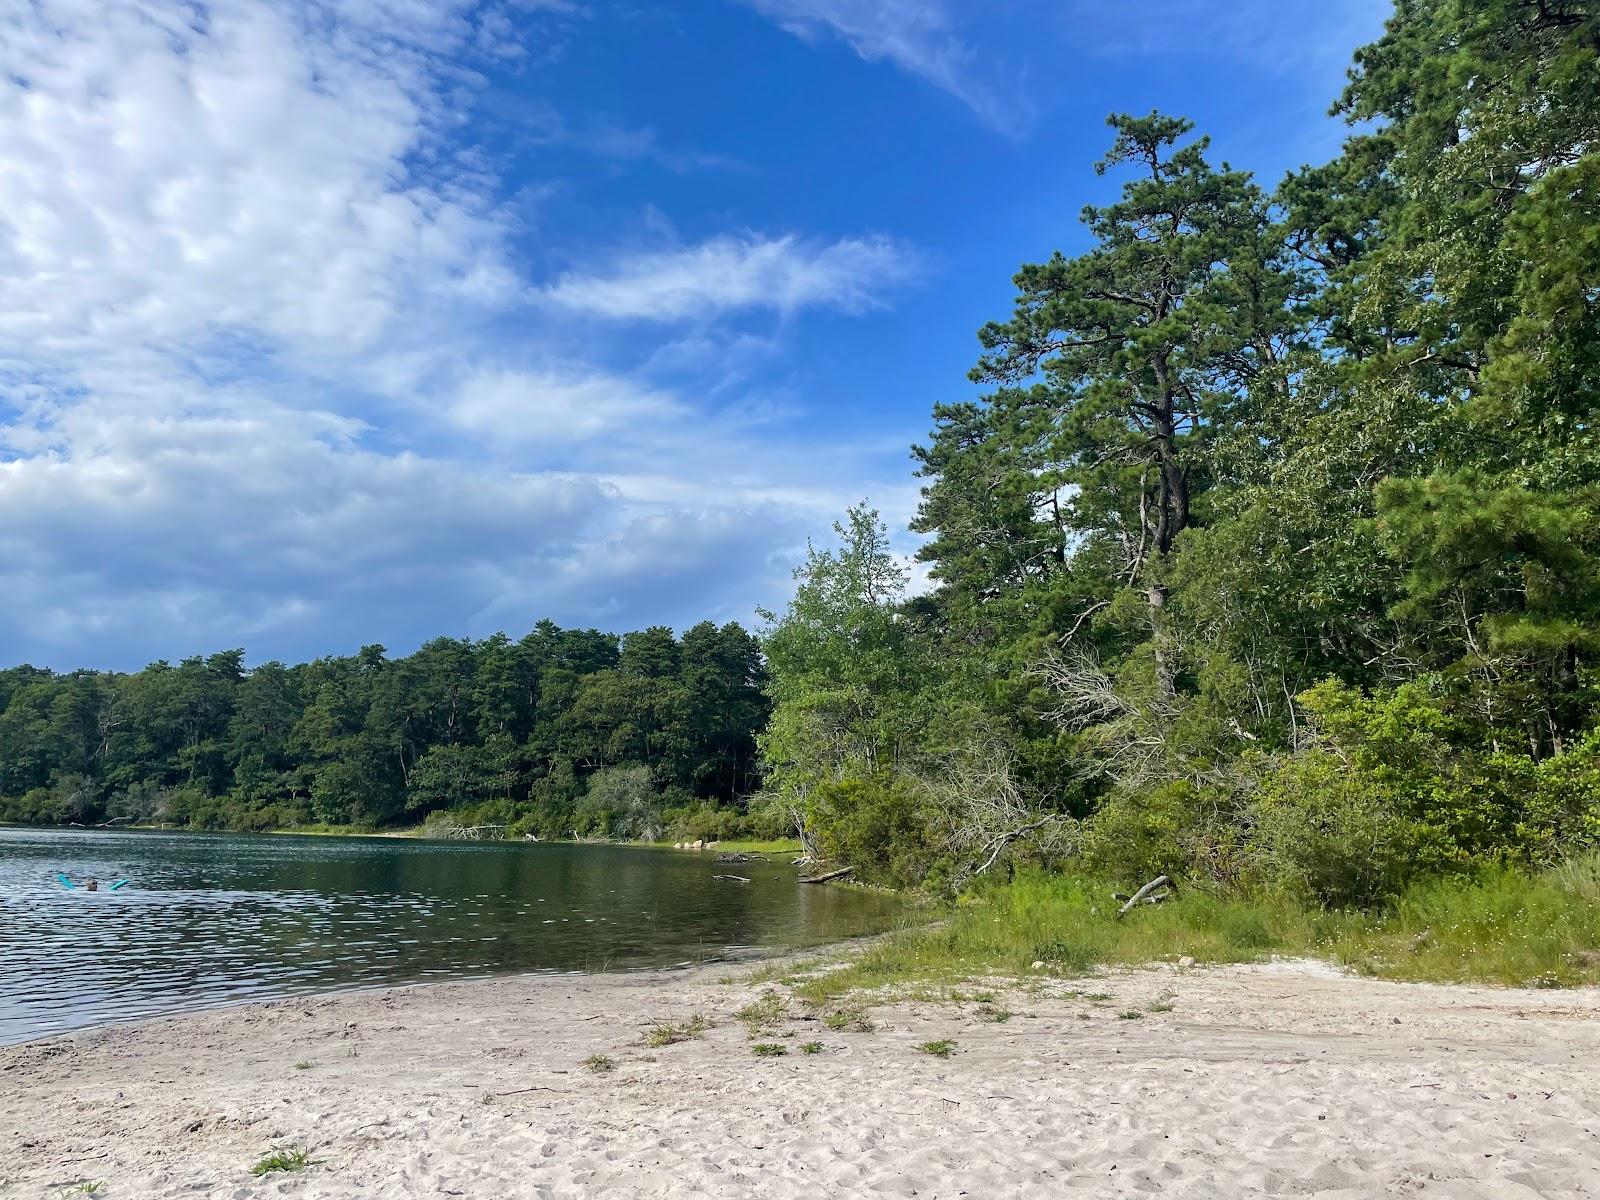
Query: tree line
[1270, 555]
[563, 731]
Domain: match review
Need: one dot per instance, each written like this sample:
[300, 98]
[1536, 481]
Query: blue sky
[327, 322]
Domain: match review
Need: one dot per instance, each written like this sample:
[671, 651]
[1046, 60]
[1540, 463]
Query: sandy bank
[1256, 1082]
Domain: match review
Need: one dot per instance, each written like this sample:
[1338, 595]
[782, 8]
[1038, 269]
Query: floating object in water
[64, 881]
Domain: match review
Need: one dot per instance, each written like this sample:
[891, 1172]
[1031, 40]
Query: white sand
[1259, 1082]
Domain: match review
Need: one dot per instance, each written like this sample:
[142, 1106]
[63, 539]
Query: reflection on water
[214, 918]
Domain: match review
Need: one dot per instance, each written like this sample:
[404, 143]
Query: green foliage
[1495, 926]
[943, 1048]
[286, 1159]
[1270, 559]
[881, 825]
[520, 733]
[769, 1049]
[812, 1047]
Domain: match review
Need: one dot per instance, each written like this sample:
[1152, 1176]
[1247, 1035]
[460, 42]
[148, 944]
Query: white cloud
[559, 405]
[918, 36]
[732, 274]
[269, 374]
[167, 172]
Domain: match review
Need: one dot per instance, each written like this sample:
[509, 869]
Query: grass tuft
[769, 1049]
[943, 1048]
[812, 1048]
[283, 1158]
[600, 1064]
[669, 1033]
[848, 1019]
[764, 1014]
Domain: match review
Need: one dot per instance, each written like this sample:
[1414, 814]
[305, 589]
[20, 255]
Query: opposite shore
[1275, 1079]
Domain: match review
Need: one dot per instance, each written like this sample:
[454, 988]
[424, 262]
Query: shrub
[621, 804]
[881, 826]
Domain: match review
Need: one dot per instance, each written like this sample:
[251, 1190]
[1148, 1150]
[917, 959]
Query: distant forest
[564, 731]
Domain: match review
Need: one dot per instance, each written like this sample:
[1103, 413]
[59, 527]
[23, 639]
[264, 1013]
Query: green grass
[943, 1048]
[284, 1158]
[89, 1187]
[1501, 927]
[763, 1014]
[812, 1048]
[769, 1049]
[995, 1016]
[848, 1019]
[1130, 1014]
[668, 1033]
[600, 1064]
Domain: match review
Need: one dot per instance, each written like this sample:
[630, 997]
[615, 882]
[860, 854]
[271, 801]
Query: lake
[210, 919]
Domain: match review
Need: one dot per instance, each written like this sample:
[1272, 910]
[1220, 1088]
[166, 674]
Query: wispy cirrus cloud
[738, 273]
[1265, 33]
[920, 37]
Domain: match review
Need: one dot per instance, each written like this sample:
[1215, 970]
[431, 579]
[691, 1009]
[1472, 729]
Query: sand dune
[1266, 1081]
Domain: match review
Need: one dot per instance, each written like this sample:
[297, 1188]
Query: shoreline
[1281, 1079]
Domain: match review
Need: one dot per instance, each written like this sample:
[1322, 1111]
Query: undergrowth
[1499, 927]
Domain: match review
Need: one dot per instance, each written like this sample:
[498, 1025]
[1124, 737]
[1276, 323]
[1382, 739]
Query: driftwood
[1159, 881]
[839, 874]
[741, 857]
[734, 878]
[471, 833]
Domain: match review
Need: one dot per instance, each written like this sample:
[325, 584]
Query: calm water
[213, 919]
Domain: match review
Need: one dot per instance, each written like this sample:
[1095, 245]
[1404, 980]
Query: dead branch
[1157, 882]
[839, 874]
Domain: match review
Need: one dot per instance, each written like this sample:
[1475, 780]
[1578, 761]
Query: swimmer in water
[92, 886]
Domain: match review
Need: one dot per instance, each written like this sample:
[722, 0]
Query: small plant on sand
[89, 1187]
[305, 1064]
[763, 1014]
[283, 1158]
[1096, 997]
[995, 1016]
[848, 1020]
[769, 1049]
[669, 1033]
[1130, 1014]
[1162, 1003]
[943, 1048]
[812, 1048]
[600, 1064]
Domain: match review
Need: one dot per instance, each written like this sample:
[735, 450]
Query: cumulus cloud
[732, 274]
[167, 171]
[270, 374]
[918, 36]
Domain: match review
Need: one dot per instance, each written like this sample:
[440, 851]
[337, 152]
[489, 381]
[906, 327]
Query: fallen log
[734, 878]
[839, 874]
[1158, 882]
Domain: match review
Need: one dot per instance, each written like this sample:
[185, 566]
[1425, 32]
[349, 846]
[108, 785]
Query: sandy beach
[1281, 1080]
